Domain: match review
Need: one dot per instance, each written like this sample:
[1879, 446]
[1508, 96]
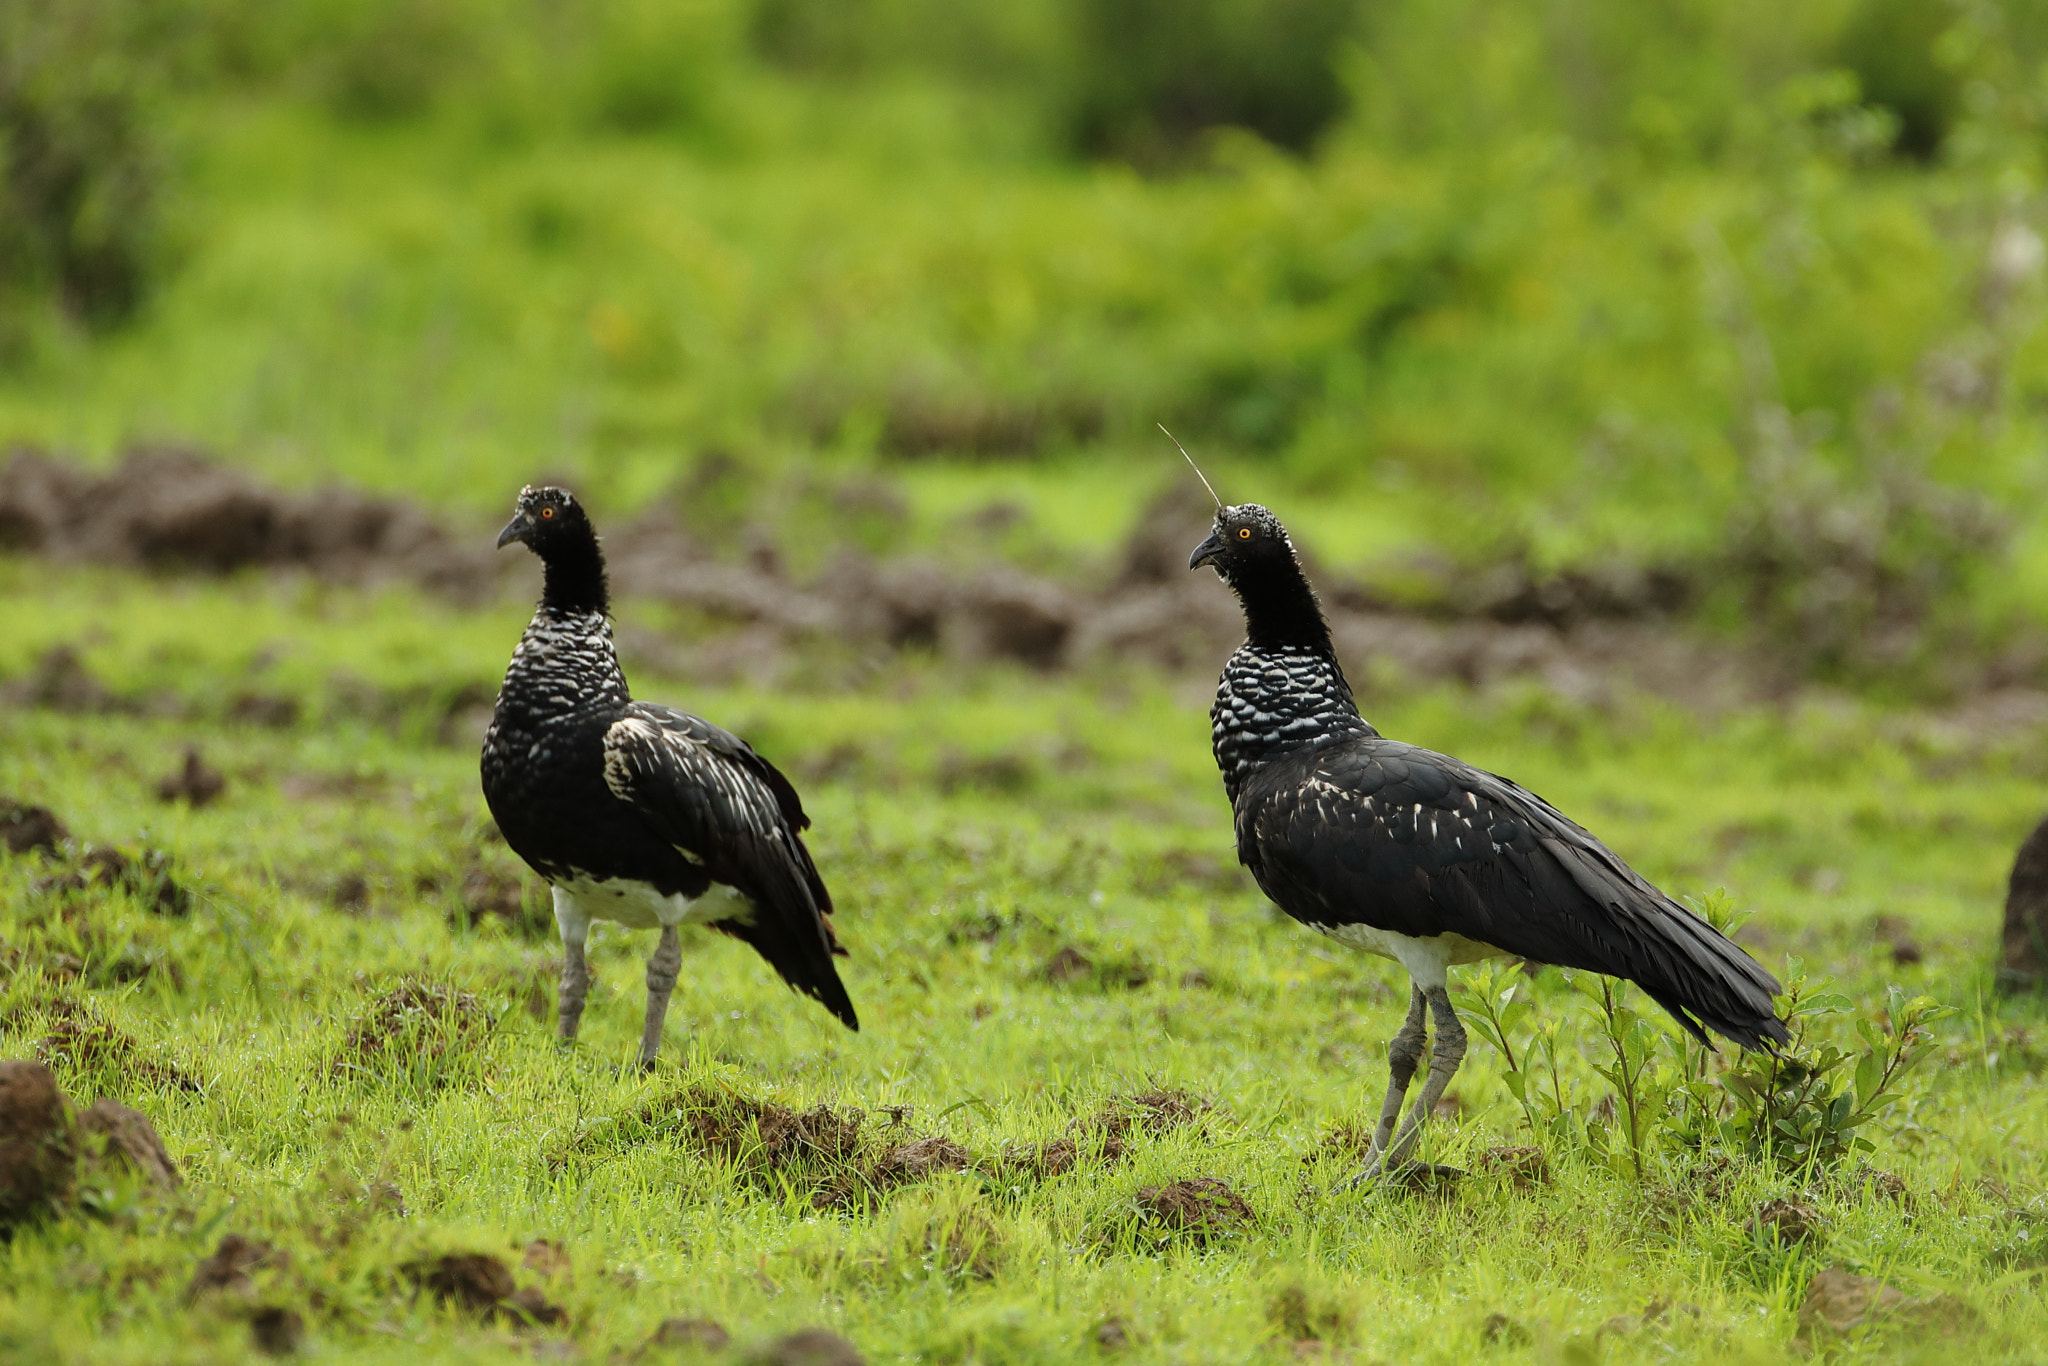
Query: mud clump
[60, 681]
[228, 1270]
[196, 782]
[1201, 1210]
[80, 1037]
[146, 876]
[1106, 1136]
[770, 1144]
[276, 1331]
[126, 1138]
[1524, 1168]
[172, 510]
[26, 829]
[411, 1022]
[38, 1147]
[1787, 1223]
[705, 1335]
[920, 1160]
[475, 1282]
[810, 1347]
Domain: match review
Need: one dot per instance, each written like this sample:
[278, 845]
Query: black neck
[574, 581]
[1280, 609]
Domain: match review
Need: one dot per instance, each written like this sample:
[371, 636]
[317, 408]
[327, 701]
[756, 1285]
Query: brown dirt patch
[195, 782]
[1105, 1137]
[705, 1335]
[1522, 1167]
[81, 1038]
[1787, 1223]
[1201, 1209]
[810, 1347]
[921, 1159]
[229, 1270]
[413, 1020]
[126, 1137]
[1838, 1301]
[545, 1257]
[26, 829]
[476, 1282]
[37, 1144]
[146, 876]
[276, 1330]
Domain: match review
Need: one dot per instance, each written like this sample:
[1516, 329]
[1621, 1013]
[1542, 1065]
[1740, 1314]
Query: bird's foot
[1413, 1176]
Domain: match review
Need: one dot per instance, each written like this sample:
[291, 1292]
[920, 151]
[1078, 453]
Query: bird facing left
[638, 813]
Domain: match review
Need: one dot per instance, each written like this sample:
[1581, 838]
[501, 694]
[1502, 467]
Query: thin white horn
[1191, 464]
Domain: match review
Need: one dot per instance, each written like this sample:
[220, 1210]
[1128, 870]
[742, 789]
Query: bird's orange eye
[1244, 533]
[546, 513]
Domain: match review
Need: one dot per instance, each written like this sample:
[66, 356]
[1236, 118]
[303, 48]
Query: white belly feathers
[641, 907]
[1425, 958]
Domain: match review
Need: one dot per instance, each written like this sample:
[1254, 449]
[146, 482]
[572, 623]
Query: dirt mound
[145, 876]
[37, 1143]
[1521, 1167]
[126, 1137]
[1105, 1137]
[1201, 1209]
[920, 1159]
[276, 1330]
[195, 783]
[174, 510]
[25, 829]
[81, 1038]
[810, 1347]
[706, 1335]
[412, 1022]
[228, 1270]
[481, 1284]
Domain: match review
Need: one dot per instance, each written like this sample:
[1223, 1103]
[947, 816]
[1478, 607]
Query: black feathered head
[546, 518]
[553, 526]
[1245, 538]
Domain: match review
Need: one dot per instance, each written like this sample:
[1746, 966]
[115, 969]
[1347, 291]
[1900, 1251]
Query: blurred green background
[1746, 294]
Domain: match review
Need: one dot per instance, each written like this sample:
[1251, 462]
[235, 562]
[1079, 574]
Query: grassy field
[348, 1069]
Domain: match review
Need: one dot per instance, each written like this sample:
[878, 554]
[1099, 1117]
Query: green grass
[972, 824]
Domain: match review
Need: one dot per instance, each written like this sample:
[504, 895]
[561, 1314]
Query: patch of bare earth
[77, 1036]
[1105, 1137]
[480, 1284]
[413, 1021]
[1199, 1210]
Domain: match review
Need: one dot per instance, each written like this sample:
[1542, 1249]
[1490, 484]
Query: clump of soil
[1787, 1223]
[1201, 1210]
[413, 1020]
[1107, 1134]
[706, 1335]
[228, 1270]
[37, 1144]
[26, 829]
[196, 782]
[146, 876]
[126, 1137]
[276, 1330]
[80, 1037]
[1522, 1167]
[1303, 1317]
[481, 1284]
[810, 1347]
[1839, 1301]
[1070, 966]
[919, 1160]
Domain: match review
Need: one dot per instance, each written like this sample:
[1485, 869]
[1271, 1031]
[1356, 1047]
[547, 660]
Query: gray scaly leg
[575, 928]
[1404, 1052]
[1443, 1065]
[661, 980]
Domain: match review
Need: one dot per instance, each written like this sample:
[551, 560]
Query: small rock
[276, 1330]
[196, 784]
[38, 1149]
[126, 1136]
[811, 1347]
[706, 1335]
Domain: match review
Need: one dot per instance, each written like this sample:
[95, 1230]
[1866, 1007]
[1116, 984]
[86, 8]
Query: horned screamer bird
[638, 813]
[1424, 859]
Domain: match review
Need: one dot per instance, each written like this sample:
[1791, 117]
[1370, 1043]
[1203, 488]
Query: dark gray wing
[1403, 839]
[726, 808]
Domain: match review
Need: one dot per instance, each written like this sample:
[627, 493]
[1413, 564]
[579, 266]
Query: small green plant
[1641, 1079]
[1802, 1106]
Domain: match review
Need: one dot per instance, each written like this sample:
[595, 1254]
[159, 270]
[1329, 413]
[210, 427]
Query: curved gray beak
[1207, 552]
[515, 530]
